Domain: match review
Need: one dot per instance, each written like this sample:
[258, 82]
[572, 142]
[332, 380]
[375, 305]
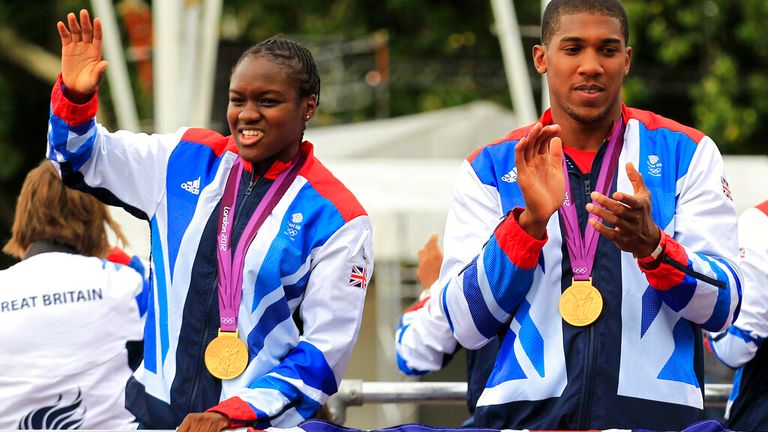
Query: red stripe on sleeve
[664, 276]
[117, 255]
[72, 113]
[763, 207]
[237, 411]
[519, 246]
[418, 305]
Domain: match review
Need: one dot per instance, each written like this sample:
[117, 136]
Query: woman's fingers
[97, 32]
[85, 24]
[74, 28]
[66, 37]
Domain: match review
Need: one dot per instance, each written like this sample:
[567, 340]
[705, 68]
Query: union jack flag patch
[357, 277]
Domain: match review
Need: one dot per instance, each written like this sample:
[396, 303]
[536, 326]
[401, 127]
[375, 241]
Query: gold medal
[226, 356]
[581, 303]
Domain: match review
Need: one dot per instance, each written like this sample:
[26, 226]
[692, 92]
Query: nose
[590, 64]
[250, 113]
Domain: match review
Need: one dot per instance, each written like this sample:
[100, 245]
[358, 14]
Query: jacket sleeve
[121, 168]
[424, 341]
[698, 276]
[738, 345]
[331, 313]
[489, 265]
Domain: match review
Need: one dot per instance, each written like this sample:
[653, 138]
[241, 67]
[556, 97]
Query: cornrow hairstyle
[557, 8]
[294, 57]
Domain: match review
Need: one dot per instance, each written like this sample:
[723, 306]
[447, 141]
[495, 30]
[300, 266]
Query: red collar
[277, 166]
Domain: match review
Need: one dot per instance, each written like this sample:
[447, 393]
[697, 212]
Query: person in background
[741, 346]
[66, 313]
[260, 256]
[594, 243]
[479, 362]
[430, 257]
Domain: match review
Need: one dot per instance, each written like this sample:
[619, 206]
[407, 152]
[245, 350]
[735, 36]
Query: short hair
[48, 210]
[557, 8]
[294, 57]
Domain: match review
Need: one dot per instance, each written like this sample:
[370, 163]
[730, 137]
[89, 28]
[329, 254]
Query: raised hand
[634, 229]
[82, 67]
[539, 161]
[430, 259]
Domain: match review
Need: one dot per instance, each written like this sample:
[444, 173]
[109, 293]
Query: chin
[588, 115]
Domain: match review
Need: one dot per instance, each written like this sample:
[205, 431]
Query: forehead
[262, 73]
[587, 26]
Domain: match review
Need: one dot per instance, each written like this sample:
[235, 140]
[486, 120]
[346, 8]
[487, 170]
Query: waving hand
[82, 67]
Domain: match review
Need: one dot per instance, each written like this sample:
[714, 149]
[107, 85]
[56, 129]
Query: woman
[66, 313]
[260, 257]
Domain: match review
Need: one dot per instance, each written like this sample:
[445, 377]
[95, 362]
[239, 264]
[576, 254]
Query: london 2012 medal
[226, 356]
[581, 303]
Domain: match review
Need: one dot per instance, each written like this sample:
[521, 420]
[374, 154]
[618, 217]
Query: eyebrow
[265, 92]
[609, 40]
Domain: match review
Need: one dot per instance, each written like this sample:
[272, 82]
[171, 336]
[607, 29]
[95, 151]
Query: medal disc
[581, 303]
[226, 356]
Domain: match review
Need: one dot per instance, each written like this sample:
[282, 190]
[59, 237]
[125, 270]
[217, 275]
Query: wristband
[656, 252]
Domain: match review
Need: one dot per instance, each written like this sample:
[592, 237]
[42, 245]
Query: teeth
[251, 133]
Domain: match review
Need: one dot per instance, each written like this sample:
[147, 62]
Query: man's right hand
[82, 67]
[539, 162]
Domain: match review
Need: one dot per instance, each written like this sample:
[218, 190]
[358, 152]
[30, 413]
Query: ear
[309, 106]
[627, 60]
[540, 58]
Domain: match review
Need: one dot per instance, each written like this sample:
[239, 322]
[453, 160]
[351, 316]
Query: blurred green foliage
[715, 53]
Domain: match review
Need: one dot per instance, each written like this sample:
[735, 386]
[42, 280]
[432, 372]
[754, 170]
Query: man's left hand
[634, 229]
[204, 422]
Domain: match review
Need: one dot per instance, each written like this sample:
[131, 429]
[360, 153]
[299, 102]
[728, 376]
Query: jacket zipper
[586, 396]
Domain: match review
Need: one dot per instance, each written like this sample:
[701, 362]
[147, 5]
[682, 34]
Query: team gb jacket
[640, 364]
[304, 282]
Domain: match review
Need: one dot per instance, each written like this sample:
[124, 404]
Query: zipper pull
[251, 184]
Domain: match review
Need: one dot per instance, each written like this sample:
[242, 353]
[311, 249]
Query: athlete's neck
[585, 136]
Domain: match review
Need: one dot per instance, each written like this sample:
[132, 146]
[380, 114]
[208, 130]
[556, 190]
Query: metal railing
[354, 392]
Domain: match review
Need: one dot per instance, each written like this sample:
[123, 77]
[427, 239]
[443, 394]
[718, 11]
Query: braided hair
[294, 57]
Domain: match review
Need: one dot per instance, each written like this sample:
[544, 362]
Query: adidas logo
[511, 176]
[192, 186]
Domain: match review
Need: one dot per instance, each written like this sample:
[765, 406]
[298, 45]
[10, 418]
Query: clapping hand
[539, 161]
[634, 229]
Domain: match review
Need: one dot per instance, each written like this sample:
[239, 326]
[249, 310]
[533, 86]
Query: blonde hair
[48, 210]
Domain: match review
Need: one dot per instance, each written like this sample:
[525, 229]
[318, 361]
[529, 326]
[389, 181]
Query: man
[596, 272]
[741, 347]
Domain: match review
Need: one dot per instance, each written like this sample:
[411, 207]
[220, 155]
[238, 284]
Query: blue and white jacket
[640, 365]
[304, 282]
[741, 346]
